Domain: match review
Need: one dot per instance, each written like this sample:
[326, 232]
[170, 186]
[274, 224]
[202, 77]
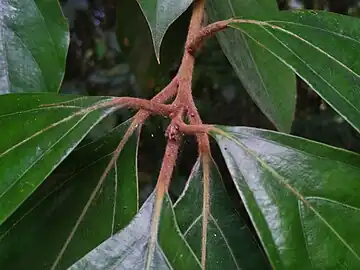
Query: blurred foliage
[97, 66]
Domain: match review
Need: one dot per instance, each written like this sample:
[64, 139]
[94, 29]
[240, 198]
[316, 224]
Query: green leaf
[135, 41]
[129, 248]
[160, 14]
[35, 234]
[302, 196]
[321, 47]
[34, 40]
[267, 80]
[39, 131]
[226, 229]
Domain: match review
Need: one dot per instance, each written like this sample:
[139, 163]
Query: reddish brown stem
[168, 164]
[192, 129]
[139, 103]
[168, 92]
[204, 33]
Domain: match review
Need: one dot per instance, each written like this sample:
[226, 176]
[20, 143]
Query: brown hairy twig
[182, 106]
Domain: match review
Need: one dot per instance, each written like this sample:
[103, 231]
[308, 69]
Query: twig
[204, 33]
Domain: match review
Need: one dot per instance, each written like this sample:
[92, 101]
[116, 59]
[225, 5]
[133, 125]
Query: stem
[167, 167]
[138, 103]
[168, 92]
[183, 105]
[206, 32]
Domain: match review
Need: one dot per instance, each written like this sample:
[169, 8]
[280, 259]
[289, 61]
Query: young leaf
[321, 47]
[160, 14]
[36, 138]
[226, 229]
[49, 215]
[268, 81]
[130, 247]
[138, 47]
[302, 196]
[32, 61]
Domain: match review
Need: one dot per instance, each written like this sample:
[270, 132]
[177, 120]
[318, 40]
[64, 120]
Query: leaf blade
[223, 249]
[37, 139]
[297, 37]
[273, 174]
[58, 203]
[115, 251]
[34, 61]
[138, 46]
[160, 15]
[275, 95]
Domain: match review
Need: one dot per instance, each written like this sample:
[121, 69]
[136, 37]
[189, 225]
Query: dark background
[97, 66]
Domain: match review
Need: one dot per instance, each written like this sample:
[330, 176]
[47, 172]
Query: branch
[147, 105]
[167, 168]
[205, 32]
[168, 92]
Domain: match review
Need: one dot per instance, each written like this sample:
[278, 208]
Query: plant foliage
[71, 201]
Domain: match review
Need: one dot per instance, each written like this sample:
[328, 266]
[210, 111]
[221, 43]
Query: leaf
[37, 137]
[321, 48]
[49, 215]
[267, 80]
[32, 60]
[128, 249]
[226, 229]
[302, 196]
[138, 47]
[160, 14]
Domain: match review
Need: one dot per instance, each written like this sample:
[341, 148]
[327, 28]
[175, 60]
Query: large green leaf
[129, 249]
[34, 40]
[268, 81]
[135, 41]
[302, 196]
[321, 47]
[36, 138]
[226, 229]
[36, 232]
[160, 14]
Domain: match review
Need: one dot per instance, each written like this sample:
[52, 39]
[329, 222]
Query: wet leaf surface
[302, 196]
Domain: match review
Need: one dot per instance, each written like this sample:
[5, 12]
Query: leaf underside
[160, 14]
[129, 249]
[138, 47]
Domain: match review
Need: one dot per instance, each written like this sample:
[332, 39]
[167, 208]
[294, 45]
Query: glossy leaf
[226, 229]
[267, 80]
[34, 40]
[302, 196]
[49, 215]
[128, 249]
[160, 14]
[136, 43]
[321, 47]
[36, 138]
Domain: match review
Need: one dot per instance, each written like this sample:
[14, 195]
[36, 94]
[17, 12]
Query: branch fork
[182, 107]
